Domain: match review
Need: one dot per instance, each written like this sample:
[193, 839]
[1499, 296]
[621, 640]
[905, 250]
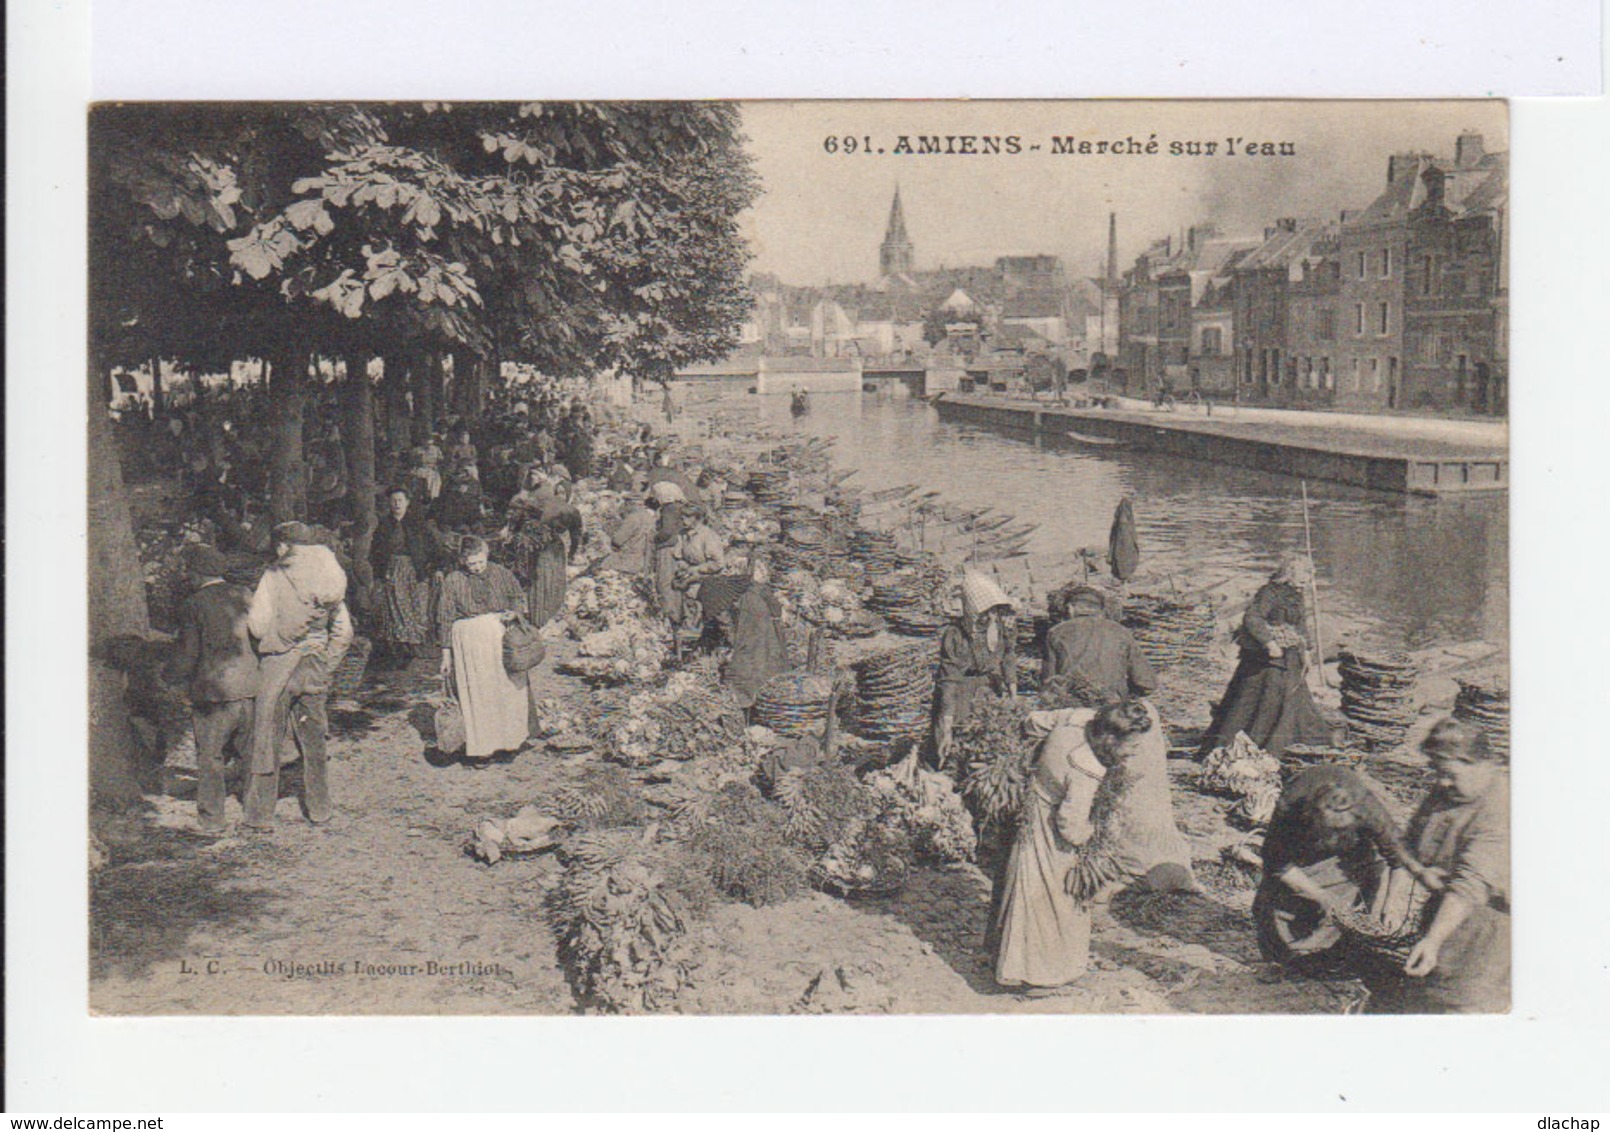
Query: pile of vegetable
[1239, 769]
[604, 600]
[994, 758]
[931, 809]
[689, 717]
[621, 912]
[634, 650]
[742, 842]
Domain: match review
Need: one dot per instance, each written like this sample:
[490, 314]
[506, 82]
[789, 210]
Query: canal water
[1395, 570]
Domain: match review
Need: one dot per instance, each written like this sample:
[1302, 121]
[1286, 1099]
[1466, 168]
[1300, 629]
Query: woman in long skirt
[403, 557]
[1042, 932]
[476, 600]
[1268, 696]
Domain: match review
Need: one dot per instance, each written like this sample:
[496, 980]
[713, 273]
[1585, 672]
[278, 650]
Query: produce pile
[621, 911]
[1171, 633]
[603, 601]
[689, 717]
[559, 726]
[630, 651]
[1484, 701]
[1245, 772]
[741, 841]
[872, 859]
[1378, 696]
[995, 758]
[748, 525]
[829, 603]
[894, 691]
[928, 803]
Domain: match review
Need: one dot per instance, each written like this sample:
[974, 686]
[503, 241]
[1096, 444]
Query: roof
[1033, 304]
[1012, 334]
[1466, 190]
[1288, 245]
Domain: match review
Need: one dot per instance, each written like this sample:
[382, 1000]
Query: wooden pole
[1313, 591]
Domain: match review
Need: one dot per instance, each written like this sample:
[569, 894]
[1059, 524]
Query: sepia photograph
[798, 558]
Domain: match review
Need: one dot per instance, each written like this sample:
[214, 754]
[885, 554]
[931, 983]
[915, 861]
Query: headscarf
[981, 594]
[664, 492]
[1286, 571]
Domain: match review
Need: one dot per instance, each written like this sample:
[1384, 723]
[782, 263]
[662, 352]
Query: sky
[822, 215]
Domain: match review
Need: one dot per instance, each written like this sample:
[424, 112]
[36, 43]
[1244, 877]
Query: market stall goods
[929, 804]
[1239, 769]
[1484, 701]
[894, 691]
[690, 717]
[1171, 633]
[793, 703]
[621, 922]
[1378, 695]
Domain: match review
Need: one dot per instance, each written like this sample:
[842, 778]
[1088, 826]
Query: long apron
[496, 705]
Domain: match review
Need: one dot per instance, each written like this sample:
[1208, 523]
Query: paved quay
[1405, 454]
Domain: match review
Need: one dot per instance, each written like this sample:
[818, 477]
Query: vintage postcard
[799, 558]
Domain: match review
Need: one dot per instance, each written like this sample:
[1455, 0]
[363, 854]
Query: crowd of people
[476, 544]
[1098, 816]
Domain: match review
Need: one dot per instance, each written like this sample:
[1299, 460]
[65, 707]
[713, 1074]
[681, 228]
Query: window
[1212, 341]
[1428, 273]
[1386, 263]
[1362, 256]
[1375, 375]
[1327, 380]
[1385, 318]
[1358, 319]
[1357, 383]
[1327, 325]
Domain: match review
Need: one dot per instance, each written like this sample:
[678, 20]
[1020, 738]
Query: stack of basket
[893, 691]
[794, 704]
[1484, 701]
[1170, 633]
[906, 603]
[769, 485]
[1378, 696]
[876, 549]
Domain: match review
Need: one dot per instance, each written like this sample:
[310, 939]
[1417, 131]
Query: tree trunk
[360, 441]
[159, 398]
[394, 388]
[117, 603]
[287, 473]
[422, 376]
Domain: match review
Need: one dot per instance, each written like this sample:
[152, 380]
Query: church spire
[895, 256]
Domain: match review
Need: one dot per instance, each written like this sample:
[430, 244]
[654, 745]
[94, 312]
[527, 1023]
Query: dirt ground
[383, 911]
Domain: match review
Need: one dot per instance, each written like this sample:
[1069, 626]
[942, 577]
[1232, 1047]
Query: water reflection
[1408, 571]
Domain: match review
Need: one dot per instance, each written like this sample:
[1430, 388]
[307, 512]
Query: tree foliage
[577, 237]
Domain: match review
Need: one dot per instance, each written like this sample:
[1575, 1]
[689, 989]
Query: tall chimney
[1468, 150]
[1400, 164]
[1112, 249]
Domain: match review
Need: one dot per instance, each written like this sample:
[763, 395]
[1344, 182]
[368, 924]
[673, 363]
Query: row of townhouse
[1400, 305]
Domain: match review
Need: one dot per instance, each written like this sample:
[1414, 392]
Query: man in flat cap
[213, 659]
[1092, 656]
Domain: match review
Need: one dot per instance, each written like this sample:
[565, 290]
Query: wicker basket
[1394, 935]
[344, 684]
